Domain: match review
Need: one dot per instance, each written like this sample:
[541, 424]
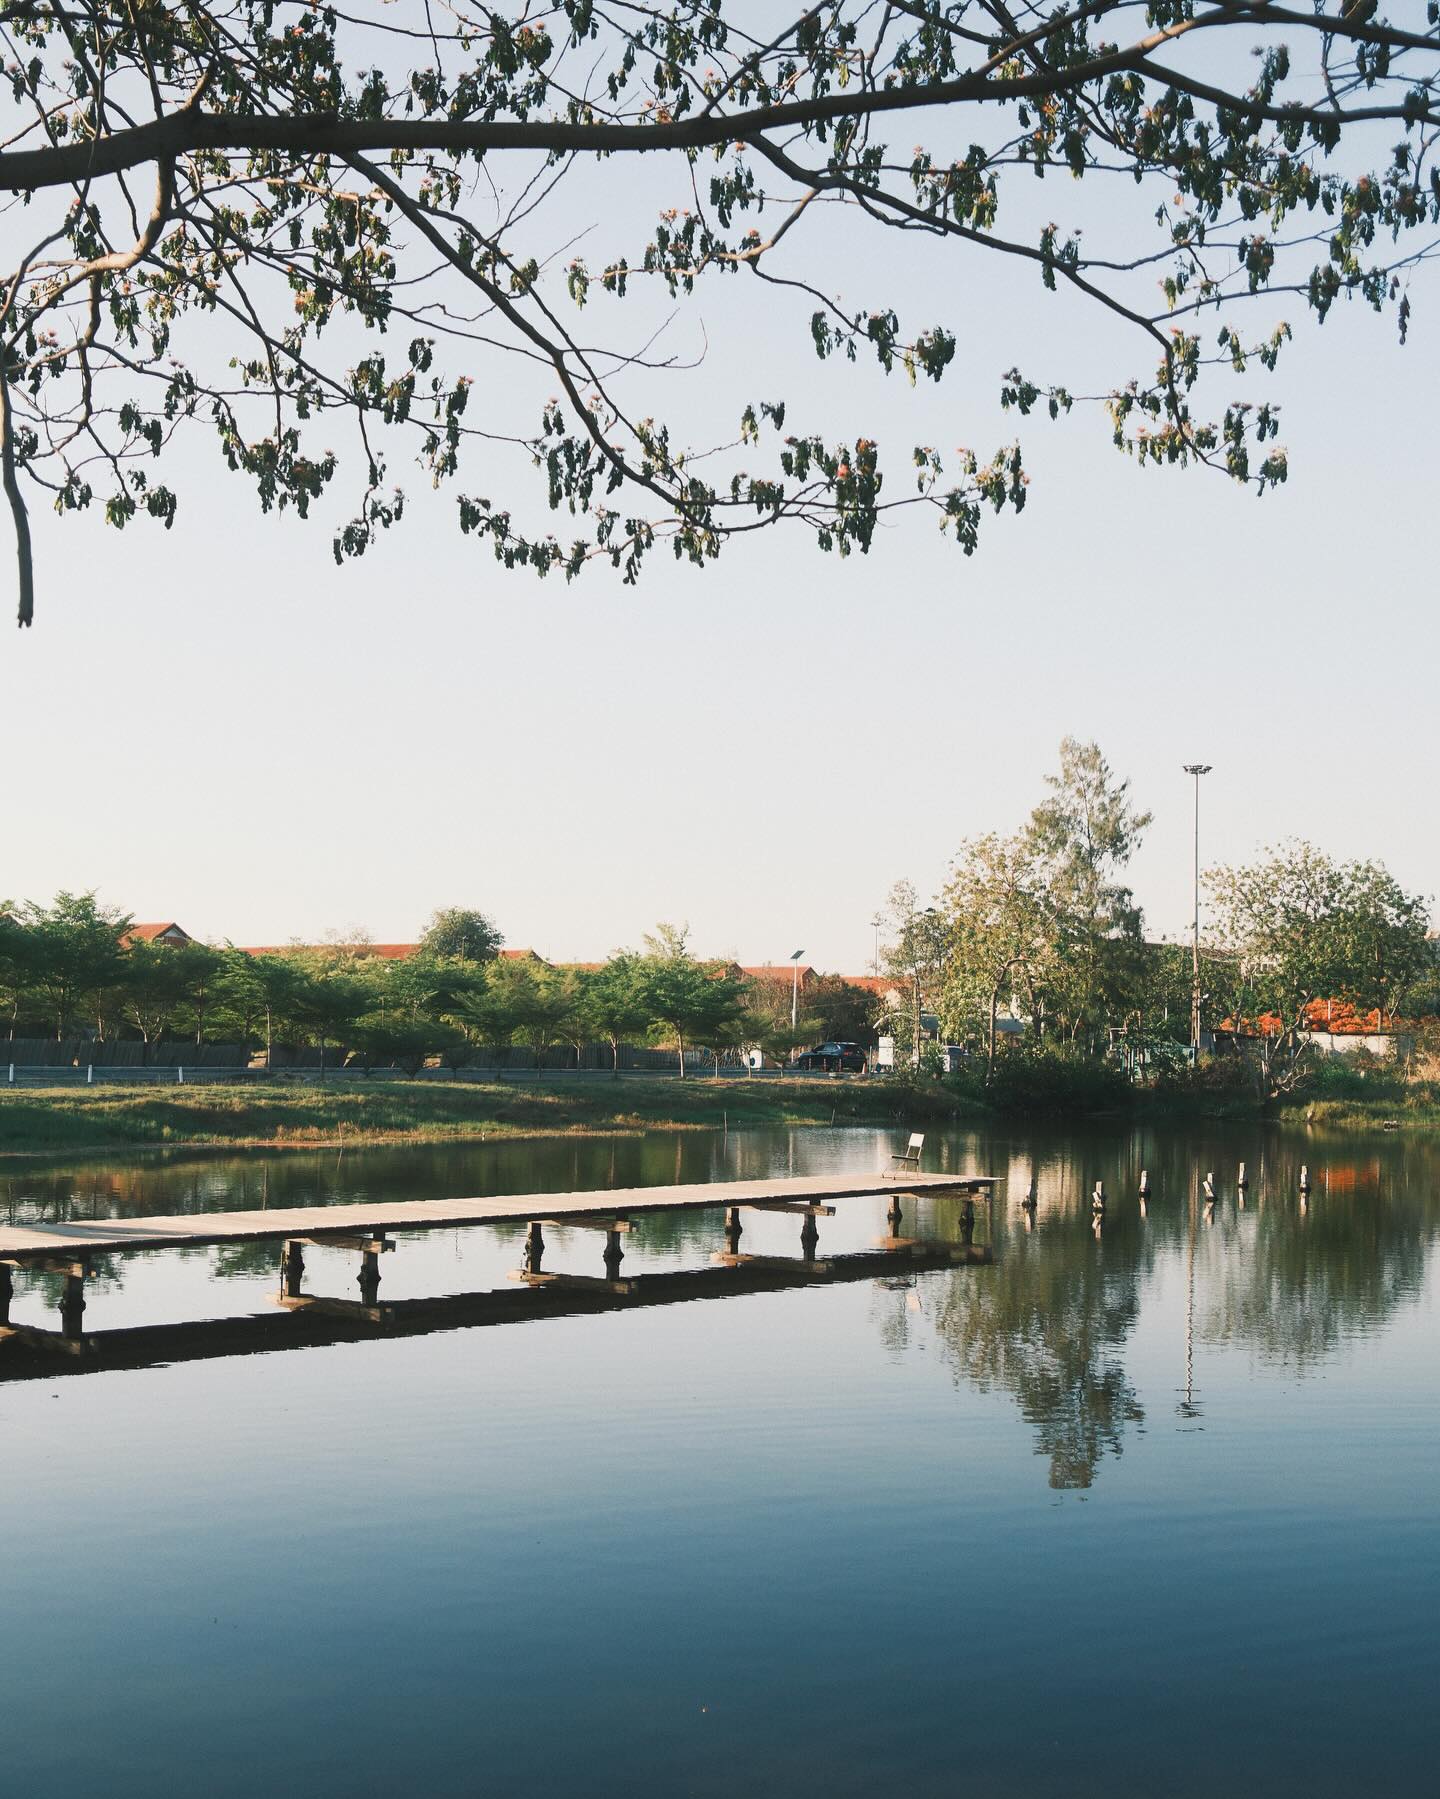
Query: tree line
[74, 969]
[1041, 923]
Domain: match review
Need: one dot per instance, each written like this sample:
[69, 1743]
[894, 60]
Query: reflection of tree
[1305, 1282]
[1046, 1325]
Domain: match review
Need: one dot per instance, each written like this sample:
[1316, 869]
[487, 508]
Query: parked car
[833, 1058]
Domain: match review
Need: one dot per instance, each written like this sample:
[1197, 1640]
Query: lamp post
[1196, 769]
[795, 990]
[875, 924]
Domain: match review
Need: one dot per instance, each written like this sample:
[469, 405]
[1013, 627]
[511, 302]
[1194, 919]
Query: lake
[1146, 1509]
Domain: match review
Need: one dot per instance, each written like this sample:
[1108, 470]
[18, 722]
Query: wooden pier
[66, 1249]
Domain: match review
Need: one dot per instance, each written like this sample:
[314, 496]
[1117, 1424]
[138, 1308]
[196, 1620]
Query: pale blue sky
[222, 727]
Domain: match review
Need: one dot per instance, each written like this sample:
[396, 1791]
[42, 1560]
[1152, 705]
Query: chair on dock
[908, 1158]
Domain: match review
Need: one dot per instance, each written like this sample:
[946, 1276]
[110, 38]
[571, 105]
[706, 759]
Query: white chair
[909, 1157]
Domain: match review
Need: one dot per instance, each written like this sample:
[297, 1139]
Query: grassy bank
[1415, 1109]
[63, 1118]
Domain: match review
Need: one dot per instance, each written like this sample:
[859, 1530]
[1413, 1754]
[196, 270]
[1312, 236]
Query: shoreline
[39, 1122]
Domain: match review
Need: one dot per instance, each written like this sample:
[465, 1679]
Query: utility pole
[876, 923]
[795, 990]
[1196, 769]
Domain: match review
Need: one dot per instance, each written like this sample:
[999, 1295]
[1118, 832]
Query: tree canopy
[1301, 927]
[462, 932]
[317, 235]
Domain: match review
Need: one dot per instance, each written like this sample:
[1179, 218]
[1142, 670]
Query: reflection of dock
[65, 1250]
[303, 1322]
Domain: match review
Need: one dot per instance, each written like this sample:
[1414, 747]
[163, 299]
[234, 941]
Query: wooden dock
[67, 1249]
[27, 1243]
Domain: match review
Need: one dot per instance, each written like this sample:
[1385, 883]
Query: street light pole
[876, 923]
[795, 990]
[1196, 769]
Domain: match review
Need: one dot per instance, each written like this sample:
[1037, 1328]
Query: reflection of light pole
[1197, 769]
[795, 990]
[1187, 1407]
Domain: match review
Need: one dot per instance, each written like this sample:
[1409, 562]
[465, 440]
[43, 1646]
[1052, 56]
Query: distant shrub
[1042, 1079]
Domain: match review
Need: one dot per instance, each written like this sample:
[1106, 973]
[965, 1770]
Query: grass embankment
[59, 1118]
[1413, 1105]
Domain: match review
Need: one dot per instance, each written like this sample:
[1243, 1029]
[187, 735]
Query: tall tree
[915, 957]
[696, 1002]
[999, 929]
[14, 963]
[152, 986]
[1081, 839]
[74, 953]
[276, 228]
[614, 1003]
[842, 1011]
[258, 993]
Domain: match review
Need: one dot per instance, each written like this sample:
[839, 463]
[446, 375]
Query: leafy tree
[498, 1007]
[327, 1006]
[695, 1002]
[916, 958]
[14, 962]
[614, 1002]
[201, 969]
[152, 987]
[322, 202]
[393, 1039]
[458, 934]
[1081, 839]
[543, 1009]
[257, 991]
[1304, 927]
[842, 1012]
[999, 929]
[769, 1000]
[74, 953]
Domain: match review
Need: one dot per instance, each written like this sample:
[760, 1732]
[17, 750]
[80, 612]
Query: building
[156, 933]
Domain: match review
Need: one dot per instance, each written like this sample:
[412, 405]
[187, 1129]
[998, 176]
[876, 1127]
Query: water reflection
[1049, 1327]
[305, 1321]
[1285, 1247]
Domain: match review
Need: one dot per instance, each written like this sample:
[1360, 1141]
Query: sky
[220, 726]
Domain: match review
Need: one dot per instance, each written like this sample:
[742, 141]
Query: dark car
[833, 1058]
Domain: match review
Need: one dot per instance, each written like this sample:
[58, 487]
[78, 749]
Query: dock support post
[614, 1255]
[733, 1229]
[809, 1237]
[967, 1221]
[534, 1247]
[292, 1268]
[369, 1277]
[7, 1292]
[893, 1215]
[72, 1301]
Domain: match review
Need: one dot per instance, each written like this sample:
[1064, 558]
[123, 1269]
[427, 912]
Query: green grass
[34, 1119]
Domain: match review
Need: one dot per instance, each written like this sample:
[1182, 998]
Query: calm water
[1151, 1512]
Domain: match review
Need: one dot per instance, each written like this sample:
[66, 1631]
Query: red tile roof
[148, 933]
[876, 983]
[387, 952]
